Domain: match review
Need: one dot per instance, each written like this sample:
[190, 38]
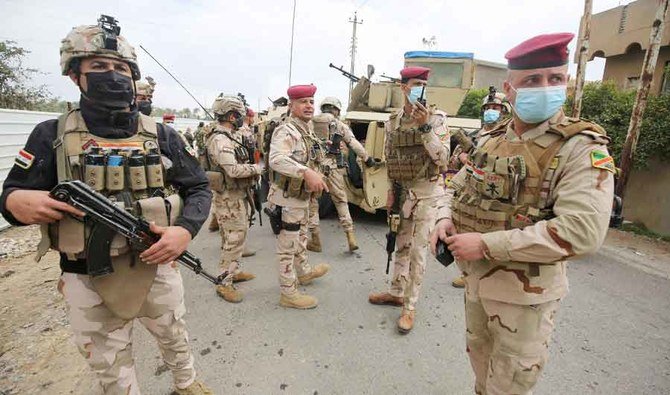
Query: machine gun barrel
[345, 73]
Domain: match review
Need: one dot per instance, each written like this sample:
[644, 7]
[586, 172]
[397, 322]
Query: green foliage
[472, 104]
[611, 107]
[14, 78]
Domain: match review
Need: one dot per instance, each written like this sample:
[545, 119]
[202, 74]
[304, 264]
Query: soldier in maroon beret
[536, 191]
[417, 151]
[295, 179]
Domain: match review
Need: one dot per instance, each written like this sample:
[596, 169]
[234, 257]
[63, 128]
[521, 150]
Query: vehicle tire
[326, 205]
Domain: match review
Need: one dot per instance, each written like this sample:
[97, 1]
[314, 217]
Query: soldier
[494, 109]
[188, 135]
[294, 179]
[328, 127]
[416, 155]
[148, 287]
[144, 95]
[231, 176]
[538, 191]
[199, 137]
[168, 119]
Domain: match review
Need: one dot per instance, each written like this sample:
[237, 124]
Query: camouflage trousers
[507, 343]
[232, 214]
[416, 223]
[105, 340]
[338, 194]
[292, 250]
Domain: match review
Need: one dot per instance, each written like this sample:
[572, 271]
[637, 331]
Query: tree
[472, 104]
[14, 78]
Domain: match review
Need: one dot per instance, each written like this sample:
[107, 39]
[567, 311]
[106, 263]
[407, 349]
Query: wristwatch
[425, 128]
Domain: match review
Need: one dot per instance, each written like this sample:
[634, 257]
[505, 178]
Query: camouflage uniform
[231, 175]
[102, 309]
[105, 340]
[335, 177]
[562, 211]
[419, 202]
[290, 156]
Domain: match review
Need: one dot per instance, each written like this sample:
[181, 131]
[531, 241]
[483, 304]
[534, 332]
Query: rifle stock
[394, 224]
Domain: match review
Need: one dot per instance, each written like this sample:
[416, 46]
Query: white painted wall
[16, 125]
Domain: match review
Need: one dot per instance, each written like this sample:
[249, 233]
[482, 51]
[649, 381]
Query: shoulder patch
[601, 160]
[24, 159]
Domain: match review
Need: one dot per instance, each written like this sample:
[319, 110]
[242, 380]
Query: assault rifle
[253, 194]
[394, 224]
[391, 79]
[345, 73]
[109, 219]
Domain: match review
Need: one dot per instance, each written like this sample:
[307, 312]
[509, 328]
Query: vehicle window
[446, 75]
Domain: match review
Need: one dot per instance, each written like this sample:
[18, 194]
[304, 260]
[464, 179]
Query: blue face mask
[535, 105]
[491, 115]
[415, 94]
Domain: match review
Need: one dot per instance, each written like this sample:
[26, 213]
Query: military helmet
[98, 40]
[145, 88]
[498, 98]
[333, 101]
[224, 104]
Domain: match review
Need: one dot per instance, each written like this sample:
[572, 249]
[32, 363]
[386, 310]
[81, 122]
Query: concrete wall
[486, 76]
[621, 67]
[16, 125]
[647, 197]
[614, 30]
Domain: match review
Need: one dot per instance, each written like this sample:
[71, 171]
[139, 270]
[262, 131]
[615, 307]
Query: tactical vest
[408, 160]
[296, 187]
[129, 171]
[507, 184]
[219, 180]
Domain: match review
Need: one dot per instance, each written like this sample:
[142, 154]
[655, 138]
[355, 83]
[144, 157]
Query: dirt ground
[36, 351]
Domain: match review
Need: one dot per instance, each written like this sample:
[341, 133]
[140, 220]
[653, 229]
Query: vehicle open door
[375, 180]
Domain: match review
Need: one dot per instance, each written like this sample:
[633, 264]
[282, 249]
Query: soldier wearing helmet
[102, 309]
[144, 95]
[232, 174]
[332, 132]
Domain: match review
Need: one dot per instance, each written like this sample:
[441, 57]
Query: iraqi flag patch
[601, 160]
[24, 159]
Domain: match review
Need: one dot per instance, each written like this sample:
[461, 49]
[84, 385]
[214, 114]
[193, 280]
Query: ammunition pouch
[409, 160]
[292, 187]
[216, 181]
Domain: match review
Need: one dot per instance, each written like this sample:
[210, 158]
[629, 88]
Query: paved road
[612, 336]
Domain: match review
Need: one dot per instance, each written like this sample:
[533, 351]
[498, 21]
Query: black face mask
[144, 107]
[239, 122]
[110, 89]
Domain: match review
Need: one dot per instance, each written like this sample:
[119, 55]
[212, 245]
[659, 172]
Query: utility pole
[648, 66]
[355, 22]
[290, 59]
[583, 48]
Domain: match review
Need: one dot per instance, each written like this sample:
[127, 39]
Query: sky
[216, 46]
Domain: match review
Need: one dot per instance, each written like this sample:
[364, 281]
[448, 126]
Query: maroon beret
[301, 91]
[545, 50]
[168, 117]
[420, 73]
[250, 112]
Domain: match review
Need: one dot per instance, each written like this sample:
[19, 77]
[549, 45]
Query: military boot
[317, 271]
[213, 224]
[229, 293]
[406, 321]
[314, 243]
[385, 298]
[458, 282]
[351, 239]
[240, 277]
[298, 301]
[197, 388]
[248, 252]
